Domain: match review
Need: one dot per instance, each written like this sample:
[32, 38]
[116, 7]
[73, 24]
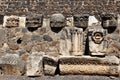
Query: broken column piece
[81, 21]
[77, 41]
[97, 41]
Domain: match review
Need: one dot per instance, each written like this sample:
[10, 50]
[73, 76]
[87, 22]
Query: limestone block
[50, 65]
[89, 65]
[14, 21]
[92, 21]
[98, 44]
[78, 47]
[11, 64]
[22, 21]
[70, 22]
[35, 64]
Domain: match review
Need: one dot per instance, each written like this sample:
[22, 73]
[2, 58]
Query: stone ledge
[69, 77]
[83, 65]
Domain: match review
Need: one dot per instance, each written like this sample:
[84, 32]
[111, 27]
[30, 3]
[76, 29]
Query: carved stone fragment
[89, 65]
[77, 41]
[97, 41]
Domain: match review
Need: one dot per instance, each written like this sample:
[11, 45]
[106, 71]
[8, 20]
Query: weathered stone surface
[50, 48]
[47, 38]
[97, 41]
[34, 20]
[1, 19]
[14, 37]
[14, 21]
[78, 48]
[81, 21]
[22, 21]
[66, 77]
[92, 21]
[114, 45]
[11, 64]
[50, 65]
[53, 36]
[11, 21]
[89, 65]
[69, 22]
[109, 20]
[57, 20]
[2, 37]
[35, 64]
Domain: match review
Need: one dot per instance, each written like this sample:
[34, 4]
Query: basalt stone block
[47, 38]
[35, 64]
[36, 38]
[57, 20]
[89, 65]
[34, 20]
[1, 19]
[14, 37]
[11, 64]
[109, 20]
[81, 21]
[50, 65]
[2, 37]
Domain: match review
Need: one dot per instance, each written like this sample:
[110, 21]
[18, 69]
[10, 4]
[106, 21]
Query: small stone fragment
[35, 64]
[50, 65]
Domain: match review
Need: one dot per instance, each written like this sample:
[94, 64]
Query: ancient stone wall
[81, 38]
[67, 7]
